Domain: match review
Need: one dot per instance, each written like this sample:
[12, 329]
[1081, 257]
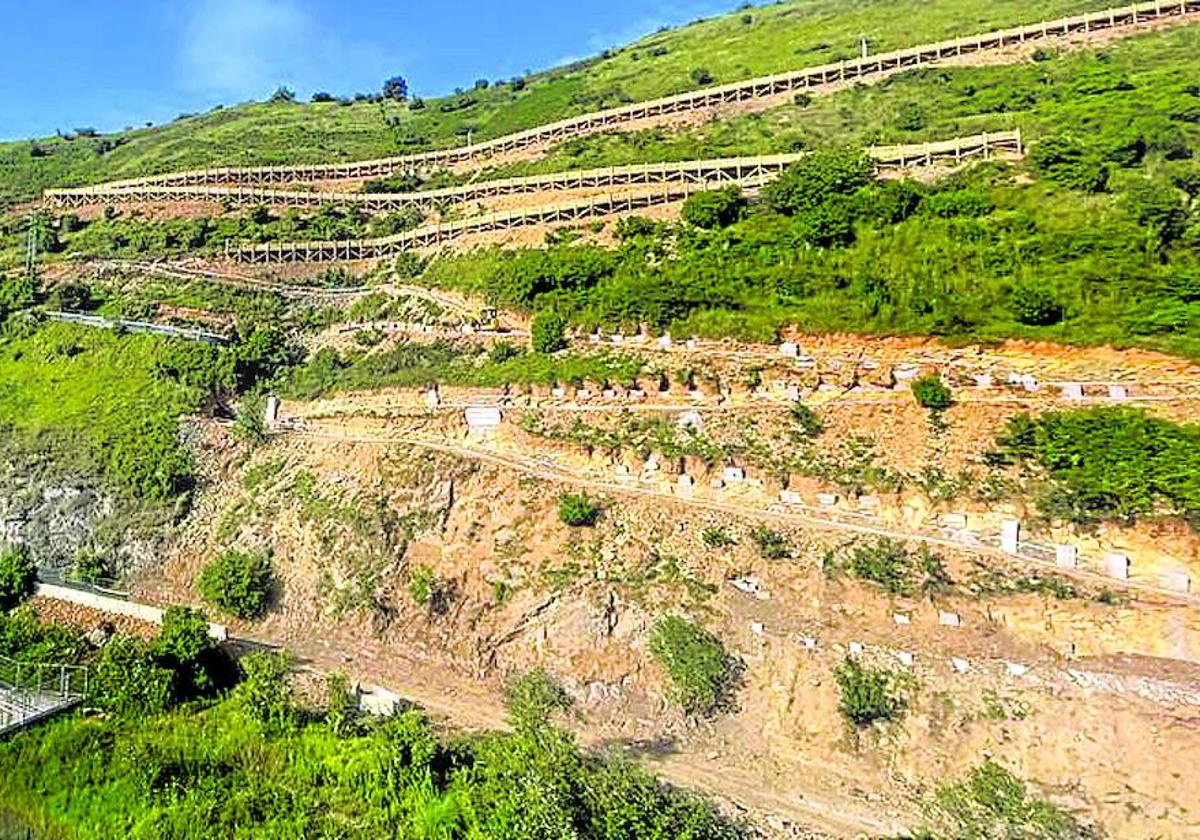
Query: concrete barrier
[116, 606]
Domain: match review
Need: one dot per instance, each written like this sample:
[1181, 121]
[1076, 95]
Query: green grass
[784, 36]
[1041, 99]
[102, 393]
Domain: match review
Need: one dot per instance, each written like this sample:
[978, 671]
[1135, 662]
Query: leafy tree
[816, 178]
[548, 332]
[396, 88]
[714, 208]
[868, 695]
[18, 576]
[283, 94]
[701, 672]
[931, 393]
[577, 510]
[238, 583]
[185, 647]
[1158, 206]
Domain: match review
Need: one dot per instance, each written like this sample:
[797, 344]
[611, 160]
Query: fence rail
[185, 333]
[764, 87]
[696, 172]
[744, 172]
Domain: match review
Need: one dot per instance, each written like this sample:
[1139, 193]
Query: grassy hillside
[755, 41]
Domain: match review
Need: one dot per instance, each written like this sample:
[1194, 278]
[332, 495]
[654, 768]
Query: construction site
[818, 501]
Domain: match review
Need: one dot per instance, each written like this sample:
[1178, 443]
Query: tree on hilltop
[396, 88]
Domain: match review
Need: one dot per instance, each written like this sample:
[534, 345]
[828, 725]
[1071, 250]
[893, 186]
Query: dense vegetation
[238, 583]
[1109, 463]
[784, 36]
[251, 762]
[703, 676]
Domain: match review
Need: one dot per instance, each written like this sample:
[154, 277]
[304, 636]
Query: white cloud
[237, 48]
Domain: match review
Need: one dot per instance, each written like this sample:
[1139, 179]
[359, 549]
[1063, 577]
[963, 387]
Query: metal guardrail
[33, 691]
[763, 87]
[745, 172]
[136, 326]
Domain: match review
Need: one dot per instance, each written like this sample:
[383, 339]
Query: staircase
[31, 692]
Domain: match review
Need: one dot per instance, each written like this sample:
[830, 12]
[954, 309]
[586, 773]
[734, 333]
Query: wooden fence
[698, 100]
[744, 172]
[696, 172]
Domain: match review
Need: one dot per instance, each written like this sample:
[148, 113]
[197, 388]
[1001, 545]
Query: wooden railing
[763, 87]
[745, 172]
[697, 172]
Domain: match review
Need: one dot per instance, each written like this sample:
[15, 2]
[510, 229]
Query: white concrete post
[272, 414]
[1117, 565]
[1066, 556]
[1010, 536]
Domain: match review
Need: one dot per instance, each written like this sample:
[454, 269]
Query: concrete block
[717, 484]
[827, 500]
[749, 585]
[906, 373]
[1010, 536]
[272, 413]
[379, 702]
[559, 393]
[856, 648]
[692, 344]
[808, 643]
[901, 619]
[483, 418]
[868, 503]
[790, 497]
[757, 628]
[664, 342]
[734, 475]
[983, 380]
[960, 666]
[583, 394]
[949, 619]
[609, 394]
[1118, 393]
[1066, 556]
[432, 398]
[789, 350]
[906, 658]
[691, 420]
[617, 339]
[686, 482]
[1072, 391]
[1177, 580]
[637, 394]
[1117, 565]
[1029, 383]
[1016, 669]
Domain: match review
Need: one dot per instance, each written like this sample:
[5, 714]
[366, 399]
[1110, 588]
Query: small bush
[502, 352]
[1034, 305]
[805, 422]
[713, 209]
[548, 332]
[128, 679]
[421, 584]
[91, 567]
[993, 802]
[868, 695]
[238, 583]
[577, 510]
[717, 538]
[886, 562]
[771, 544]
[18, 576]
[532, 699]
[701, 672]
[265, 693]
[931, 393]
[701, 76]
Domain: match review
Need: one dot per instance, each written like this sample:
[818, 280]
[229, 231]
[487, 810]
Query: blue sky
[108, 64]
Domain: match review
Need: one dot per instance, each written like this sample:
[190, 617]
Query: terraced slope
[799, 33]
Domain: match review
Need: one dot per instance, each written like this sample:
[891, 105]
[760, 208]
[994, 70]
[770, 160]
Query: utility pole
[31, 246]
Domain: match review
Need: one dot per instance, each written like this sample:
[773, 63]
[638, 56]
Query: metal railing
[32, 691]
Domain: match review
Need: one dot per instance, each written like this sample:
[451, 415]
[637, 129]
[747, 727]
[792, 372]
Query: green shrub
[772, 545]
[548, 332]
[184, 646]
[577, 510]
[701, 76]
[502, 351]
[931, 393]
[129, 680]
[265, 692]
[532, 699]
[1034, 305]
[885, 562]
[1109, 463]
[421, 584]
[18, 576]
[806, 423]
[992, 802]
[1070, 163]
[238, 583]
[868, 695]
[717, 538]
[713, 209]
[701, 672]
[817, 178]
